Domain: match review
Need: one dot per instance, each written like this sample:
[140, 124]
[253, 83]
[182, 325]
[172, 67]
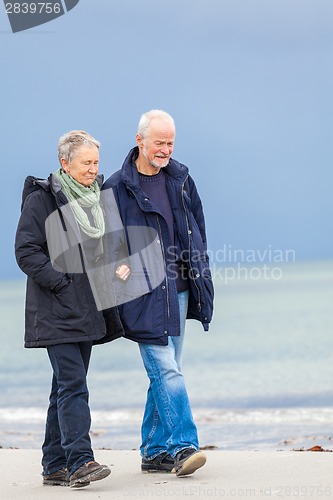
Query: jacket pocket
[136, 315]
[65, 303]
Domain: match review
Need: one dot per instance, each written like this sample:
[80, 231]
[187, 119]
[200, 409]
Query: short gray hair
[70, 142]
[147, 118]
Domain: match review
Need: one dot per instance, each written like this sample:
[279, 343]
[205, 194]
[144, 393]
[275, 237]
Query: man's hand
[123, 272]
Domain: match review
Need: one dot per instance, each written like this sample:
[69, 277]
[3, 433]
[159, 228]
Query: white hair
[70, 142]
[147, 118]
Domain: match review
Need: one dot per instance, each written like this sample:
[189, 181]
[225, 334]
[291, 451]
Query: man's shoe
[162, 463]
[188, 461]
[58, 478]
[91, 471]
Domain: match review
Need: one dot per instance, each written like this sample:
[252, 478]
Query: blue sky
[249, 83]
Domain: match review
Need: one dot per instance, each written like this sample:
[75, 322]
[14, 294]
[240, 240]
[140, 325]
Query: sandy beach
[227, 474]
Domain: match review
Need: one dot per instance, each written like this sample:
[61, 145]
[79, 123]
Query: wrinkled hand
[123, 272]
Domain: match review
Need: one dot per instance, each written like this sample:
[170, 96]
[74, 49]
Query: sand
[227, 474]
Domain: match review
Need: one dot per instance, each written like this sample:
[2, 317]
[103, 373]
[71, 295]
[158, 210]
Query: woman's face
[84, 165]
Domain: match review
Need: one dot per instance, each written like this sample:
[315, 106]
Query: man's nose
[165, 149]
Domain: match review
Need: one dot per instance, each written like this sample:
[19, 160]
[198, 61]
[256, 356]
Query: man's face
[84, 165]
[158, 145]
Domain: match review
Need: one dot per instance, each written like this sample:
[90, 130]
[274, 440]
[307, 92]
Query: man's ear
[139, 140]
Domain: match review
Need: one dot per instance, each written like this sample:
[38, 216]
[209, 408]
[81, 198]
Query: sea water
[261, 378]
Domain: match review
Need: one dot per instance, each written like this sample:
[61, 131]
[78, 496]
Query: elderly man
[154, 191]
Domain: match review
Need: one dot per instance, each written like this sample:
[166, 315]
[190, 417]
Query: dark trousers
[67, 442]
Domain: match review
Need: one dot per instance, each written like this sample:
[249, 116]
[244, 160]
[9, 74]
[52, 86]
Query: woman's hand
[123, 272]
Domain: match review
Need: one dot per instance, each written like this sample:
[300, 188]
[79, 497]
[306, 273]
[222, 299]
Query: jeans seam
[165, 400]
[151, 434]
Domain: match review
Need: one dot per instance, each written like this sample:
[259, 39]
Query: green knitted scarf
[80, 196]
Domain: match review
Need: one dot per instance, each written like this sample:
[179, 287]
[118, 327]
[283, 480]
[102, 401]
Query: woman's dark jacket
[154, 316]
[60, 306]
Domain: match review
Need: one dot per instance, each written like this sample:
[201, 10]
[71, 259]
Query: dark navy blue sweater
[155, 188]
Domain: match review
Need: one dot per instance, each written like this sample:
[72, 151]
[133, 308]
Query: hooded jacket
[154, 316]
[60, 305]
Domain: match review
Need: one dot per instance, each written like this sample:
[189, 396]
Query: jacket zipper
[165, 268]
[189, 243]
[164, 256]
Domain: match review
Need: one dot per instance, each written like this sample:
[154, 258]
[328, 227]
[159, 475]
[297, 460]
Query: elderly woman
[59, 234]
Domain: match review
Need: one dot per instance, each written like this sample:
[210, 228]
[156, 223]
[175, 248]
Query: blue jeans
[167, 424]
[67, 442]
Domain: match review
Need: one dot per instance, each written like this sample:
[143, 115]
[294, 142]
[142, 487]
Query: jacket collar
[52, 184]
[130, 175]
